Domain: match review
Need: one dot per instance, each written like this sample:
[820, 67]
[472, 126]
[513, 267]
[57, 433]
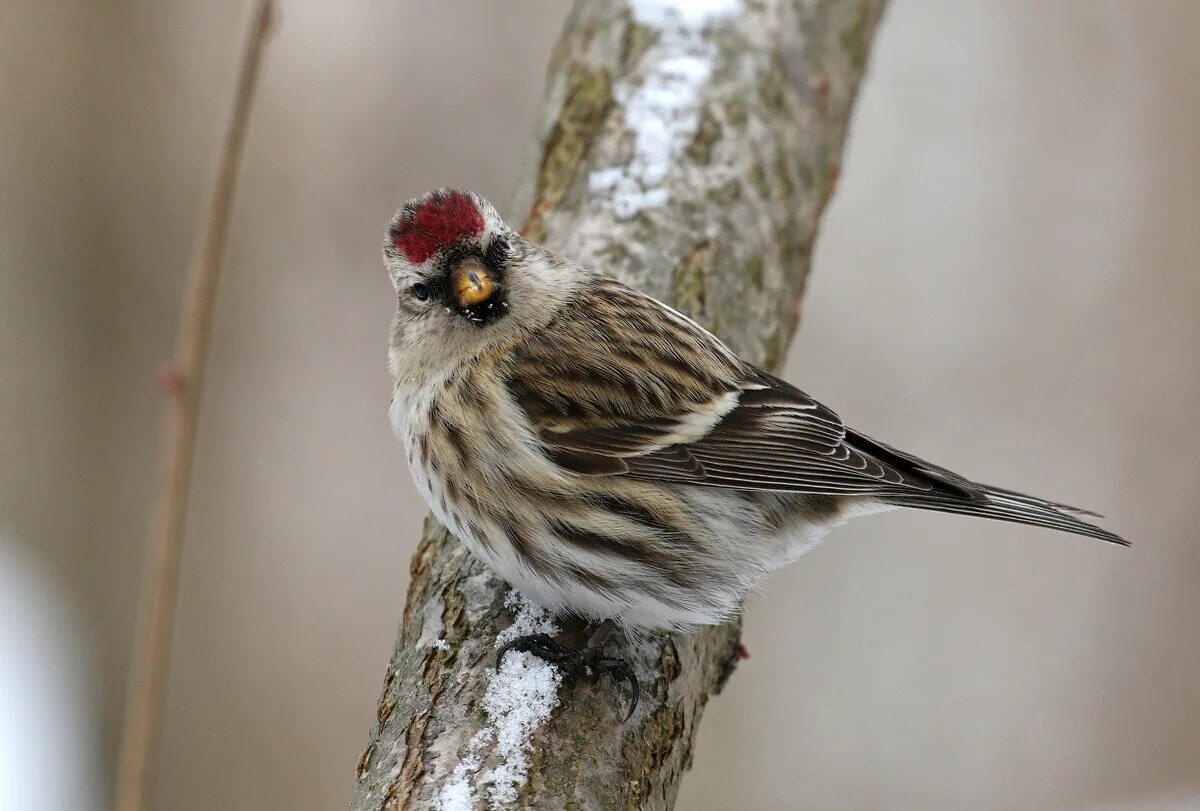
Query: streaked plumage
[607, 455]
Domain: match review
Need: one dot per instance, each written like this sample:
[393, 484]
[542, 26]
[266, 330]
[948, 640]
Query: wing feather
[626, 386]
[621, 385]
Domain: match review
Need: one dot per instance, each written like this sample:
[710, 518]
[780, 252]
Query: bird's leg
[588, 658]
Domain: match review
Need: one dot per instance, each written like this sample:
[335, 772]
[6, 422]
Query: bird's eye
[420, 291]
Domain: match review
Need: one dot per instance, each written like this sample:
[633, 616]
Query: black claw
[588, 658]
[543, 646]
[620, 670]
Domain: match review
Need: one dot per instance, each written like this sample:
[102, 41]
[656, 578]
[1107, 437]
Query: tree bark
[690, 153]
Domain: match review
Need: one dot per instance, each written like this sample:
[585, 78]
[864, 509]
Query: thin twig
[182, 380]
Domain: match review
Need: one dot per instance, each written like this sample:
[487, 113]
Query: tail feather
[1040, 502]
[1017, 508]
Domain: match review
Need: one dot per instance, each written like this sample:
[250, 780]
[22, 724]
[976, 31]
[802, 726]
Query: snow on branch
[662, 108]
[521, 693]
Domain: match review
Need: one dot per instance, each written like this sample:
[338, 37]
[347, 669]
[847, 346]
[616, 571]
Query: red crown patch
[443, 219]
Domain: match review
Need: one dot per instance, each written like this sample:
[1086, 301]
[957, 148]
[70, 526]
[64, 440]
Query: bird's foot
[589, 658]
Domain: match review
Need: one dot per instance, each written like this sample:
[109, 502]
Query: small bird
[608, 456]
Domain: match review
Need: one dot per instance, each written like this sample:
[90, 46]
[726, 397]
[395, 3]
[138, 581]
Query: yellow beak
[472, 283]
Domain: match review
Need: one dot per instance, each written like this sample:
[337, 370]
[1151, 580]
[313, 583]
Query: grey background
[1006, 283]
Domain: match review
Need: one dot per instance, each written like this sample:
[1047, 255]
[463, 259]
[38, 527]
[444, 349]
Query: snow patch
[520, 697]
[530, 618]
[692, 13]
[664, 110]
[456, 794]
[519, 700]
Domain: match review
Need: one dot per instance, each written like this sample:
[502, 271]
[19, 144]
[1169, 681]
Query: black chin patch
[495, 306]
[486, 312]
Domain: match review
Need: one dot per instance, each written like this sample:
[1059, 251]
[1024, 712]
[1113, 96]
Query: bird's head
[464, 278]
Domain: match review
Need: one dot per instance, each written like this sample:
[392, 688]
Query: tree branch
[182, 380]
[691, 155]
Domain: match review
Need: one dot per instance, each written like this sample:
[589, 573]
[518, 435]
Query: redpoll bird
[605, 454]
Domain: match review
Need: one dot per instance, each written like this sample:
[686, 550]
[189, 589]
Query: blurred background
[1006, 283]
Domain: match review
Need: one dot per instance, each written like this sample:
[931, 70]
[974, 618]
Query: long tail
[1006, 505]
[952, 493]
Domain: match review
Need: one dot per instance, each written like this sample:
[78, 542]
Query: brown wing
[626, 386]
[622, 385]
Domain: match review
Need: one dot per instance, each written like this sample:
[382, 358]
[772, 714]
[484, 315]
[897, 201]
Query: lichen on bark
[730, 244]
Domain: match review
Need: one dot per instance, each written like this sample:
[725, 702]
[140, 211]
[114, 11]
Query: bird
[608, 456]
